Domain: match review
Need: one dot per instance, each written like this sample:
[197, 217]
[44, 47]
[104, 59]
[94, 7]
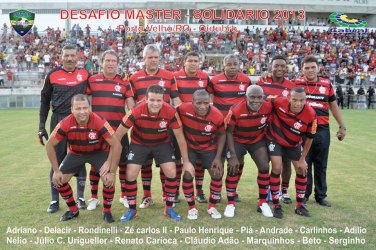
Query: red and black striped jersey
[319, 94]
[140, 81]
[228, 92]
[249, 127]
[288, 128]
[84, 139]
[59, 88]
[109, 97]
[272, 89]
[187, 85]
[149, 129]
[200, 131]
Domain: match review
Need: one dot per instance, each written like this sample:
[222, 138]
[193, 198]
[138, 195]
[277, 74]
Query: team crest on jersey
[297, 125]
[271, 147]
[242, 87]
[285, 93]
[208, 128]
[263, 120]
[201, 83]
[117, 88]
[92, 135]
[163, 124]
[79, 77]
[161, 83]
[322, 90]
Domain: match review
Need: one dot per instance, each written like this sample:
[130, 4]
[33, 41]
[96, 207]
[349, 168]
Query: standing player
[150, 122]
[321, 97]
[87, 134]
[188, 80]
[60, 85]
[274, 86]
[291, 121]
[246, 127]
[140, 81]
[204, 131]
[110, 94]
[228, 88]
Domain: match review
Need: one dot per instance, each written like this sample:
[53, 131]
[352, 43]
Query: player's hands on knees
[42, 133]
[217, 167]
[57, 178]
[188, 167]
[302, 167]
[105, 168]
[233, 165]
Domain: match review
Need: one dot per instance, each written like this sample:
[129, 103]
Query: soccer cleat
[81, 203]
[213, 212]
[286, 199]
[302, 211]
[237, 198]
[107, 217]
[265, 210]
[69, 215]
[229, 211]
[324, 202]
[92, 204]
[53, 207]
[192, 214]
[200, 197]
[124, 201]
[146, 202]
[131, 214]
[278, 212]
[177, 198]
[172, 214]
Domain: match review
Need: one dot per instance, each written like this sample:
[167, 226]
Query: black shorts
[175, 145]
[242, 149]
[47, 64]
[206, 157]
[125, 149]
[73, 164]
[162, 153]
[292, 154]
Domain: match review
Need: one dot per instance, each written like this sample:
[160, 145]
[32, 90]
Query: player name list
[185, 235]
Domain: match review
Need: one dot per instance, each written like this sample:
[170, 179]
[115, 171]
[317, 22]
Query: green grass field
[25, 196]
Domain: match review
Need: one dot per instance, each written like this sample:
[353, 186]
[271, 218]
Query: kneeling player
[203, 128]
[87, 134]
[150, 122]
[291, 120]
[245, 132]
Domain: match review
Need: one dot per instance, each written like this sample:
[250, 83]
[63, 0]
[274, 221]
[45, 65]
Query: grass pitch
[349, 223]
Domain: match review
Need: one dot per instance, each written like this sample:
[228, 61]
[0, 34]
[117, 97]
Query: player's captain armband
[314, 126]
